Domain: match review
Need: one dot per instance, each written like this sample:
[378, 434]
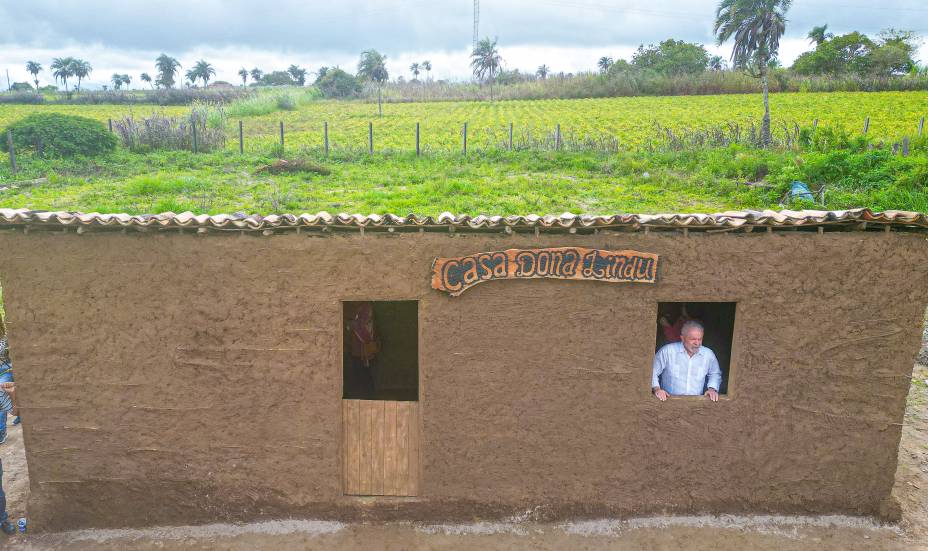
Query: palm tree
[145, 77]
[63, 69]
[819, 34]
[81, 70]
[167, 67]
[427, 67]
[35, 68]
[486, 61]
[542, 71]
[116, 79]
[126, 79]
[415, 71]
[373, 66]
[243, 73]
[201, 71]
[716, 63]
[604, 63]
[256, 74]
[756, 26]
[298, 74]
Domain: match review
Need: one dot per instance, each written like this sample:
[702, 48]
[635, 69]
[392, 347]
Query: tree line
[854, 53]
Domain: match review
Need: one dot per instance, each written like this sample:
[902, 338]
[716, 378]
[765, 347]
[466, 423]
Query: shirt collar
[683, 350]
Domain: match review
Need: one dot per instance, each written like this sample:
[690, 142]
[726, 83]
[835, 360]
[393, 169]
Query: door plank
[389, 448]
[354, 447]
[377, 452]
[366, 455]
[402, 448]
[413, 479]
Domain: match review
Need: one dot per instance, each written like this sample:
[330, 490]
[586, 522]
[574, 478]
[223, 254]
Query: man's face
[692, 340]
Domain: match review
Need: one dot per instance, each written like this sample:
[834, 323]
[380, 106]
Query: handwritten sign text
[456, 275]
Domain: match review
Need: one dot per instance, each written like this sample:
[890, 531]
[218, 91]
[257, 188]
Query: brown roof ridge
[858, 217]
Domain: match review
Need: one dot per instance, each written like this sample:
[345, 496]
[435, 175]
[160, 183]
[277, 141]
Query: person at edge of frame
[6, 376]
[7, 397]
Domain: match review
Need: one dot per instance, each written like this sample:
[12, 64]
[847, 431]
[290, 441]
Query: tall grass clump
[270, 101]
[165, 96]
[160, 132]
[630, 83]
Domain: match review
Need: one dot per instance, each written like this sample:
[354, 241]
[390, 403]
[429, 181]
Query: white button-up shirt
[679, 373]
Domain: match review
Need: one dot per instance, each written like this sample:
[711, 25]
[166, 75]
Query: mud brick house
[181, 368]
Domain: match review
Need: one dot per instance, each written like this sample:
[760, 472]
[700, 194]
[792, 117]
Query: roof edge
[321, 220]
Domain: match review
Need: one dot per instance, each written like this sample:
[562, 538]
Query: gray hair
[692, 324]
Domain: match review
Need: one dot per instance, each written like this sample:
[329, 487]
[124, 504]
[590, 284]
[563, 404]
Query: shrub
[160, 132]
[29, 98]
[285, 102]
[61, 135]
[336, 83]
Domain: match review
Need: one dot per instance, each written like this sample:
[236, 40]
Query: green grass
[503, 183]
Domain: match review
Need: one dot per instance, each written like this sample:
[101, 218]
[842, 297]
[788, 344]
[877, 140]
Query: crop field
[629, 120]
[628, 123]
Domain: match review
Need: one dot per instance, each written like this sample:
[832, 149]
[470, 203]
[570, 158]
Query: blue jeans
[3, 514]
[4, 378]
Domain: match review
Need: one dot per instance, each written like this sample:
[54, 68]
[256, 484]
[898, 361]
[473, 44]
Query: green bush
[61, 135]
[286, 103]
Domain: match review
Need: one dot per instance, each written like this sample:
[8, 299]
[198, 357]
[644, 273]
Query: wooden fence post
[905, 146]
[194, 137]
[417, 139]
[325, 137]
[370, 138]
[921, 126]
[9, 143]
[557, 137]
[814, 125]
[281, 137]
[866, 124]
[510, 135]
[465, 138]
[111, 125]
[241, 137]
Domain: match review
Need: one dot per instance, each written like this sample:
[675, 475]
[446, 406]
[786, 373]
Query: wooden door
[380, 448]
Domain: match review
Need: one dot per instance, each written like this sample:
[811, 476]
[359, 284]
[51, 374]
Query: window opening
[718, 319]
[381, 350]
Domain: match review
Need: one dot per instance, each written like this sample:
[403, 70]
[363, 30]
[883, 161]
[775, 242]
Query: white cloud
[567, 35]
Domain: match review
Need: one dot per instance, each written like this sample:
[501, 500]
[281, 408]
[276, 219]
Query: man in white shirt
[686, 368]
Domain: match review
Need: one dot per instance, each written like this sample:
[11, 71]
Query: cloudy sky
[567, 35]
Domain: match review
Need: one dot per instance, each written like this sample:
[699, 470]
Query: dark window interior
[392, 372]
[717, 317]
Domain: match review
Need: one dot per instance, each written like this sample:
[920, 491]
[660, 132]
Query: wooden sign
[456, 275]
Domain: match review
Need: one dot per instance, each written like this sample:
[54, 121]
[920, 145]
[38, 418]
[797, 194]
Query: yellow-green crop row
[631, 121]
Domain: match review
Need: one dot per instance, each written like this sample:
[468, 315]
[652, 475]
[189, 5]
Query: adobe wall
[173, 378]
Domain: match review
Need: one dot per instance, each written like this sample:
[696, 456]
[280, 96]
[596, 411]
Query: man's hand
[8, 387]
[661, 394]
[713, 394]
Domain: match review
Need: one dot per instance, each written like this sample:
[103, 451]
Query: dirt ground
[724, 533]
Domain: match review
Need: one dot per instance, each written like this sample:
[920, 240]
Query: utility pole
[476, 23]
[9, 87]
